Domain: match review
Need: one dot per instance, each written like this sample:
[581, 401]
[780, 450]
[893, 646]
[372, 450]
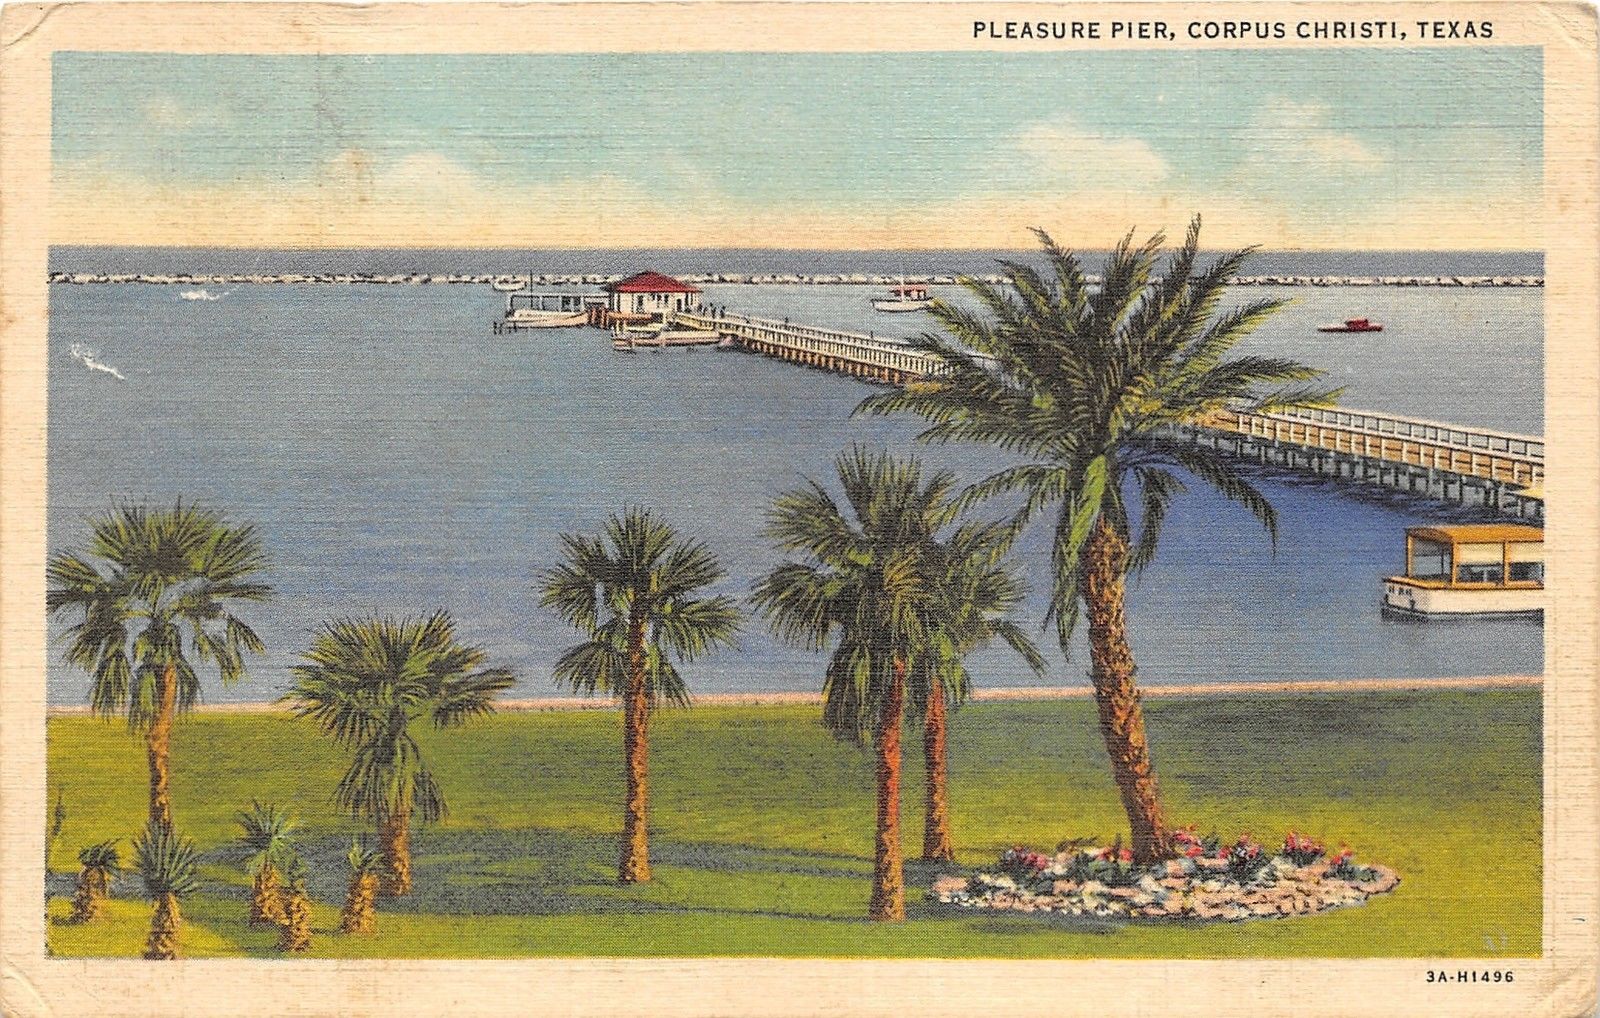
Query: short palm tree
[979, 592]
[1089, 383]
[152, 581]
[294, 935]
[359, 914]
[634, 592]
[268, 837]
[167, 864]
[869, 576]
[99, 866]
[365, 682]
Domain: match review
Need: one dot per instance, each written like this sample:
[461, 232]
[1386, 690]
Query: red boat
[1352, 325]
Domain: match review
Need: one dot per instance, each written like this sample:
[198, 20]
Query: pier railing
[858, 353]
[1472, 452]
[1495, 456]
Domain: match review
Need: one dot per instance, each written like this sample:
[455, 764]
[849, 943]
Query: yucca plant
[359, 915]
[268, 837]
[167, 864]
[99, 866]
[294, 935]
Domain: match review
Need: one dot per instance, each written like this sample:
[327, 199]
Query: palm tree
[365, 682]
[294, 935]
[151, 581]
[359, 915]
[633, 592]
[869, 577]
[167, 862]
[99, 867]
[979, 591]
[268, 837]
[1088, 383]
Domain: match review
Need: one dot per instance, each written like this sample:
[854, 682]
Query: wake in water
[200, 294]
[89, 359]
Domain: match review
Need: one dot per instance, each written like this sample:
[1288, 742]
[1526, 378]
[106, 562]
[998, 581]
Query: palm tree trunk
[634, 867]
[936, 813]
[1112, 672]
[359, 915]
[295, 933]
[266, 900]
[89, 896]
[394, 833]
[888, 867]
[159, 741]
[163, 942]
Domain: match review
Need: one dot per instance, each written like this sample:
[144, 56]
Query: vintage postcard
[784, 508]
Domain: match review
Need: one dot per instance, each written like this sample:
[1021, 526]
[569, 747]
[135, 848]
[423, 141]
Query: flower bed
[1205, 881]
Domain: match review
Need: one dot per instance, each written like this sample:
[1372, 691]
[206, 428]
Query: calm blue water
[398, 458]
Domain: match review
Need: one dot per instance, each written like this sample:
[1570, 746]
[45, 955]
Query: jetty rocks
[768, 279]
[1203, 889]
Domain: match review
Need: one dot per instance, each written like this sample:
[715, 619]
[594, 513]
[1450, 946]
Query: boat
[903, 298]
[200, 294]
[510, 284]
[527, 309]
[1352, 325]
[1470, 571]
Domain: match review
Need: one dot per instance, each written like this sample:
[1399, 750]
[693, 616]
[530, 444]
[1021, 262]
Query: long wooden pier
[1454, 463]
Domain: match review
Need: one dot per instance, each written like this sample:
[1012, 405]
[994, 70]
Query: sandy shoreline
[566, 703]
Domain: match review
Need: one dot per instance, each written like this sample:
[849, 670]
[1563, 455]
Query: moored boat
[534, 310]
[1352, 325]
[903, 298]
[1474, 570]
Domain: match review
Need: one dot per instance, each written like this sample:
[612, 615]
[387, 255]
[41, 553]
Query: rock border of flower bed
[1207, 888]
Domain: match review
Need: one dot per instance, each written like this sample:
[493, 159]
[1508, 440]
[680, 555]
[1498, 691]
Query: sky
[1295, 148]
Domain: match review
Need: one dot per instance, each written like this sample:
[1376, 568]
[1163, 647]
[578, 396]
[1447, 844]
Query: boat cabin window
[1476, 572]
[1526, 559]
[1480, 563]
[1430, 560]
[1527, 572]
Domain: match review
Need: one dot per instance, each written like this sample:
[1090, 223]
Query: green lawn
[762, 828]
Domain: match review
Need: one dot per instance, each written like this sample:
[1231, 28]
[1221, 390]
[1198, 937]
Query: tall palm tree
[634, 592]
[168, 865]
[1087, 382]
[978, 592]
[152, 581]
[366, 681]
[268, 837]
[868, 577]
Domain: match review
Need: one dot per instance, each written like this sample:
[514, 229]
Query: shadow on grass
[539, 872]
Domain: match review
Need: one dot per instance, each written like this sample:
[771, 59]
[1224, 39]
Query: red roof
[651, 282]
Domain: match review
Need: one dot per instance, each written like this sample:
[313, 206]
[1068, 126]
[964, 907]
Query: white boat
[510, 284]
[535, 310]
[200, 294]
[1486, 569]
[903, 298]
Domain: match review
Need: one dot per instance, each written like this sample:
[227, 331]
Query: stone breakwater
[857, 279]
[1192, 889]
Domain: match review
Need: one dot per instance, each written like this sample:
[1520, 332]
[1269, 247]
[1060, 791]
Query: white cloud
[170, 114]
[1065, 153]
[1290, 142]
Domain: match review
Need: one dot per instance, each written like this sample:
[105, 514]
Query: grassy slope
[762, 827]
